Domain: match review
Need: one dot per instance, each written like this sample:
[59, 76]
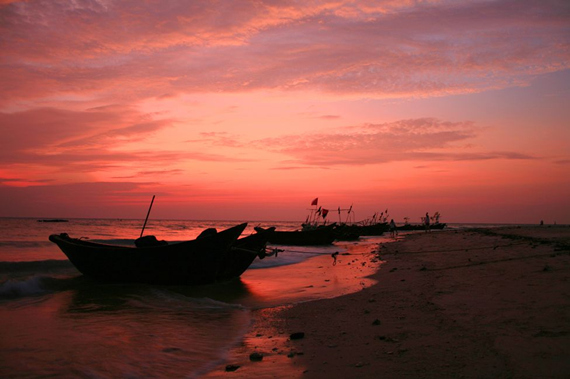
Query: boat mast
[148, 213]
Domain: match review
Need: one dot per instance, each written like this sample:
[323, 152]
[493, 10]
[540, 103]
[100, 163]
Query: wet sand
[487, 303]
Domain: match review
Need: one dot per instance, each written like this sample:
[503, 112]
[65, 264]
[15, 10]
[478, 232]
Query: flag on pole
[325, 212]
[314, 202]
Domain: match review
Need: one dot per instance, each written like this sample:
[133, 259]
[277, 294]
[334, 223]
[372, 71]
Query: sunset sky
[248, 110]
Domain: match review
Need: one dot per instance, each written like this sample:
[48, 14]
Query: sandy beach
[479, 303]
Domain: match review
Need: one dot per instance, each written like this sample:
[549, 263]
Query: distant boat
[410, 227]
[207, 259]
[318, 236]
[376, 229]
[341, 232]
[344, 232]
[53, 220]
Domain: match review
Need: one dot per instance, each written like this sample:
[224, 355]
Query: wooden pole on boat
[148, 213]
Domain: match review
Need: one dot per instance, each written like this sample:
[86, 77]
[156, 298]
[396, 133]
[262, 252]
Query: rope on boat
[275, 251]
[266, 252]
[244, 250]
[269, 252]
[321, 253]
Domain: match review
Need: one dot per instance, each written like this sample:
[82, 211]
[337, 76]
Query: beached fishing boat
[318, 236]
[317, 219]
[242, 254]
[348, 230]
[376, 229]
[196, 261]
[341, 232]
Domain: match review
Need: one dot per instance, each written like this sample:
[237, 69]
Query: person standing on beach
[426, 220]
[393, 229]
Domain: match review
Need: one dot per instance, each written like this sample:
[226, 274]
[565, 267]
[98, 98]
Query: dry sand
[486, 303]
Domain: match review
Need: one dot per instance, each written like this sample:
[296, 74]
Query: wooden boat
[376, 229]
[190, 262]
[242, 254]
[318, 236]
[342, 232]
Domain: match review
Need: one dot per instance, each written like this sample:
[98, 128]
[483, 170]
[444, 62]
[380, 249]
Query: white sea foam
[21, 288]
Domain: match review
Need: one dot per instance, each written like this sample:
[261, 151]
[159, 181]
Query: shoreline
[476, 303]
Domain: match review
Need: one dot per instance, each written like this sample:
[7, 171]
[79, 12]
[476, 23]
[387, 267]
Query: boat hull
[368, 230]
[319, 236]
[242, 254]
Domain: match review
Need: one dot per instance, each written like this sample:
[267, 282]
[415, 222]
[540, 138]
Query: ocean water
[56, 322]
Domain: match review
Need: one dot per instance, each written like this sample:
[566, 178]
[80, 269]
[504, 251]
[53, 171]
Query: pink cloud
[406, 140]
[426, 139]
[138, 50]
[65, 141]
[42, 128]
[219, 139]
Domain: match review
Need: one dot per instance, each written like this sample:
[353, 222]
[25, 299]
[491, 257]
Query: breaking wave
[22, 288]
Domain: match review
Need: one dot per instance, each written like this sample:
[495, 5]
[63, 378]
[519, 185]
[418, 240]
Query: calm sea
[55, 322]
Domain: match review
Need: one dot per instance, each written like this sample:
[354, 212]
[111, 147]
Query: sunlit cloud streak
[406, 140]
[15, 180]
[89, 141]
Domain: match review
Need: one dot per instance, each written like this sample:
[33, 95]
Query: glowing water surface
[55, 322]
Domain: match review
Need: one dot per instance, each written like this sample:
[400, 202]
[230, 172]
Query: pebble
[230, 368]
[255, 357]
[297, 336]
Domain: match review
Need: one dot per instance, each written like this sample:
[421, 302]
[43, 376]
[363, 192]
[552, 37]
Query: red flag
[325, 212]
[314, 202]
